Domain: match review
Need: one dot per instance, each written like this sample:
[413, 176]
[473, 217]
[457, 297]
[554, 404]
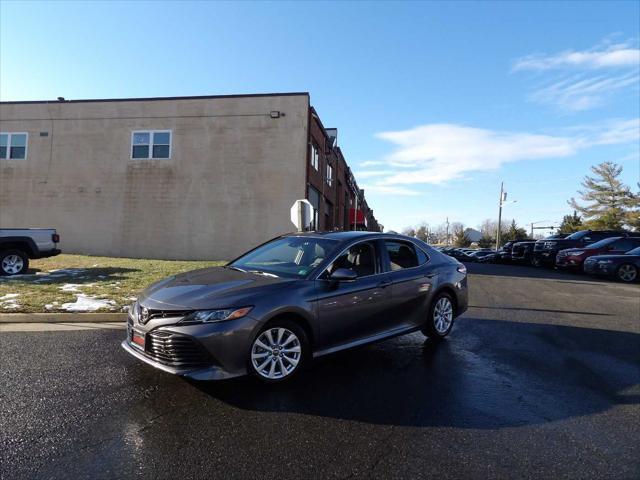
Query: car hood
[207, 288]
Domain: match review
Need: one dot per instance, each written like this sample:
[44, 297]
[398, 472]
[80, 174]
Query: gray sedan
[292, 299]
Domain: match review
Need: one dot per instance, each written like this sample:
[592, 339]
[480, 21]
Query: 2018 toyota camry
[292, 299]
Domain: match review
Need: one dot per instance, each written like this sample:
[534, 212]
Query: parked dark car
[481, 255]
[625, 267]
[573, 258]
[295, 298]
[504, 254]
[545, 251]
[522, 251]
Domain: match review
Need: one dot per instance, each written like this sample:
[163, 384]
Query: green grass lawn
[107, 283]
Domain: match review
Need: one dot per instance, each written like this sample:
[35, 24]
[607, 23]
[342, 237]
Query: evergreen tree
[514, 233]
[487, 241]
[460, 237]
[422, 233]
[609, 204]
[571, 223]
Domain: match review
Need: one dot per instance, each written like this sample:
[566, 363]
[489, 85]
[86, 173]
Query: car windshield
[603, 243]
[292, 257]
[577, 235]
[635, 251]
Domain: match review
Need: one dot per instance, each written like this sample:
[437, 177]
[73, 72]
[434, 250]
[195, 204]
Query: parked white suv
[18, 245]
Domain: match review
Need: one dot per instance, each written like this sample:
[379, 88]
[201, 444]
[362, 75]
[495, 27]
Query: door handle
[430, 275]
[384, 284]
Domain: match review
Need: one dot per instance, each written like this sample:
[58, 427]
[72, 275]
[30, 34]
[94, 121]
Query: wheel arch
[449, 289]
[296, 317]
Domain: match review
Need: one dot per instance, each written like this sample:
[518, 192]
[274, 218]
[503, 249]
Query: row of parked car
[613, 253]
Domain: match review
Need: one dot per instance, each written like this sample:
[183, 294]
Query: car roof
[347, 235]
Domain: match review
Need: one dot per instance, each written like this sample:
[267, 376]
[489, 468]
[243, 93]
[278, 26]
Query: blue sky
[435, 103]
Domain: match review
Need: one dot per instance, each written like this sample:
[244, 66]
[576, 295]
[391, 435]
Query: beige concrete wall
[232, 177]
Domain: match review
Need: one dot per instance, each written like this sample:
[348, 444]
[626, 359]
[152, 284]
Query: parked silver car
[294, 298]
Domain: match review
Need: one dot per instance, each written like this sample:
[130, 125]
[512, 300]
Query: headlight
[134, 310]
[577, 253]
[550, 245]
[211, 316]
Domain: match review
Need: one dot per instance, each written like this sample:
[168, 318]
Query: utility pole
[503, 197]
[447, 240]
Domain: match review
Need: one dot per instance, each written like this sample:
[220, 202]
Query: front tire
[278, 352]
[627, 273]
[440, 317]
[13, 262]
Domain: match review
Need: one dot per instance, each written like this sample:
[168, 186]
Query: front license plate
[137, 339]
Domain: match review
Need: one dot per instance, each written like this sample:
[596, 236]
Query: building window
[151, 144]
[13, 146]
[315, 158]
[329, 175]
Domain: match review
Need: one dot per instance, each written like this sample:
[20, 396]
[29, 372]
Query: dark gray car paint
[336, 315]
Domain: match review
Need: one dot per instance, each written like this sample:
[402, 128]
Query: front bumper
[597, 268]
[226, 343]
[568, 262]
[545, 257]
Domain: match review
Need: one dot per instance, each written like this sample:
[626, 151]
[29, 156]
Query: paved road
[540, 379]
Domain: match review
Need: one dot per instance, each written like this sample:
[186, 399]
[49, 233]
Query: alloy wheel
[627, 273]
[443, 315]
[276, 353]
[12, 264]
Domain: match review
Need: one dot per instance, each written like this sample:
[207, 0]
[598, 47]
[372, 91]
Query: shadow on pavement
[70, 275]
[543, 310]
[489, 374]
[525, 271]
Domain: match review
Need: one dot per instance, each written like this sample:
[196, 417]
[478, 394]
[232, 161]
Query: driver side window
[361, 258]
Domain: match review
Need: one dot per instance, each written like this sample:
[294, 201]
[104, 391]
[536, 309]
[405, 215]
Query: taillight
[462, 269]
[55, 238]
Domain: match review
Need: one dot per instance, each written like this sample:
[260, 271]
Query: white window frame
[26, 146]
[329, 175]
[151, 135]
[315, 157]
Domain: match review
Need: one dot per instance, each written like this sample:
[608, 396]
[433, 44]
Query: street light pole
[502, 198]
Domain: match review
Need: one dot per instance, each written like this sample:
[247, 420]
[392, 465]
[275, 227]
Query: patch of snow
[9, 301]
[74, 287]
[86, 303]
[9, 295]
[67, 271]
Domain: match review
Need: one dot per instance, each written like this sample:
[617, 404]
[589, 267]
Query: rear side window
[404, 255]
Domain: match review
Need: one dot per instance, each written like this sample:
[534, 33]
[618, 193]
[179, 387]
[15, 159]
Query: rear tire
[627, 273]
[278, 352]
[440, 318]
[13, 262]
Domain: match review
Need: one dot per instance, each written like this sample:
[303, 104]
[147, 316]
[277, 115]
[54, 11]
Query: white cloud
[612, 56]
[574, 84]
[372, 173]
[580, 93]
[389, 189]
[438, 153]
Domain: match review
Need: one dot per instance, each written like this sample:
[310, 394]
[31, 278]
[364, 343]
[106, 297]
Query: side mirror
[343, 275]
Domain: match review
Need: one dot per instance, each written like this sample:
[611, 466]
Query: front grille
[175, 349]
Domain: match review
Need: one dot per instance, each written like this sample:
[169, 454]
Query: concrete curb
[62, 317]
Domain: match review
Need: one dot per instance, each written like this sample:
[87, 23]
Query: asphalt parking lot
[539, 379]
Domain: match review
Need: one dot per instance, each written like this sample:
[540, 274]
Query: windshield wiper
[231, 267]
[260, 272]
